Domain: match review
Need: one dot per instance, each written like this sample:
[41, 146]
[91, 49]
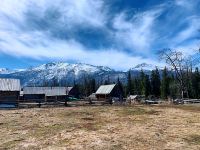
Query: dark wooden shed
[109, 92]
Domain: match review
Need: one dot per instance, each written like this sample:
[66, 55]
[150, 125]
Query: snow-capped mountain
[60, 72]
[7, 71]
[144, 66]
[4, 71]
[66, 67]
[66, 74]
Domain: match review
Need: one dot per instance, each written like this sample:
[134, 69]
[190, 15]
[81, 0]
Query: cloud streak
[137, 32]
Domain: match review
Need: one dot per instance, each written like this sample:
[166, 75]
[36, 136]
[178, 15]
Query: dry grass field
[101, 128]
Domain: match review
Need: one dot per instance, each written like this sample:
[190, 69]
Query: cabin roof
[9, 85]
[48, 91]
[105, 89]
[93, 95]
[133, 96]
[68, 89]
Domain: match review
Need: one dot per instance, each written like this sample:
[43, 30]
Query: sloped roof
[69, 89]
[105, 89]
[93, 95]
[48, 91]
[132, 96]
[9, 85]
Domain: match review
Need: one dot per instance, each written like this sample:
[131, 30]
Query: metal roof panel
[48, 91]
[105, 89]
[10, 85]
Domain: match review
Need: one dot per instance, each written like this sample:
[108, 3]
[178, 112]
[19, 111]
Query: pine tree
[155, 82]
[165, 84]
[93, 86]
[55, 81]
[152, 82]
[173, 87]
[133, 86]
[147, 86]
[107, 82]
[77, 87]
[188, 80]
[120, 85]
[129, 84]
[142, 82]
[86, 86]
[196, 84]
[137, 87]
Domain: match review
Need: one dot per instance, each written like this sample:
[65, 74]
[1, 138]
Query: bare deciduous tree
[179, 64]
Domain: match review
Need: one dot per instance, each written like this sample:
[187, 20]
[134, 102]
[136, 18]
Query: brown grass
[191, 107]
[100, 128]
[193, 139]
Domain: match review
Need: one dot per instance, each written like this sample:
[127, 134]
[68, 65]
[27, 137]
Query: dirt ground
[101, 128]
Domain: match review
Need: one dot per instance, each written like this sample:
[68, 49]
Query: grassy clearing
[103, 127]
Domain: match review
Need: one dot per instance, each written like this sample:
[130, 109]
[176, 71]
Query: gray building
[9, 91]
[48, 93]
[44, 93]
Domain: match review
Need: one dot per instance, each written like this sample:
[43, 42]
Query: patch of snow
[4, 71]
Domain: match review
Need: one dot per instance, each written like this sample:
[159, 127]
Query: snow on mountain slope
[70, 67]
[144, 66]
[65, 73]
[7, 71]
[62, 69]
[61, 72]
[4, 71]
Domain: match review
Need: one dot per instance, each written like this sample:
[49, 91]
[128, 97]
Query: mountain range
[66, 74]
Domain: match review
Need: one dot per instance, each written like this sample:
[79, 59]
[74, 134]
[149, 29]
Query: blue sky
[115, 33]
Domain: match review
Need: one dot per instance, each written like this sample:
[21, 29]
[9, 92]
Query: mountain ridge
[66, 73]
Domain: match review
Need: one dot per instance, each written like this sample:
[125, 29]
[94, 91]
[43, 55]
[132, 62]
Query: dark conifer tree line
[163, 84]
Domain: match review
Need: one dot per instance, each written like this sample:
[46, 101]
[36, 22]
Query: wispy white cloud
[137, 33]
[187, 4]
[189, 49]
[45, 29]
[39, 45]
[70, 50]
[191, 31]
[72, 12]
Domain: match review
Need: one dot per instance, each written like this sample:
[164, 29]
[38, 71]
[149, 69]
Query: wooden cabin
[49, 94]
[55, 93]
[44, 94]
[33, 94]
[109, 92]
[9, 91]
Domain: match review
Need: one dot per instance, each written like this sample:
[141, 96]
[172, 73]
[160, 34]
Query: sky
[116, 33]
